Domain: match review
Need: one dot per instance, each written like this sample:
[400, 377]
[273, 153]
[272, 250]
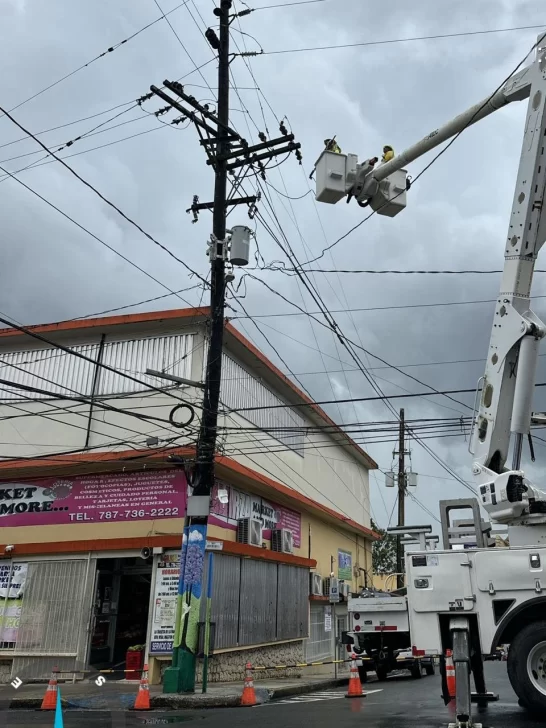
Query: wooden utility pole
[226, 151]
[401, 499]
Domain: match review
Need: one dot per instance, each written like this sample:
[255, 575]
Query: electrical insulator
[212, 38]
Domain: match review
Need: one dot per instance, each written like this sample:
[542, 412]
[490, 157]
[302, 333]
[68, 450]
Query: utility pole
[226, 151]
[401, 499]
[182, 673]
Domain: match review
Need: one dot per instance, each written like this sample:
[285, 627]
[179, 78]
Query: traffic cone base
[142, 701]
[450, 675]
[248, 698]
[355, 686]
[50, 698]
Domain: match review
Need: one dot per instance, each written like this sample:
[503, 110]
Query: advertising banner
[344, 565]
[166, 590]
[12, 584]
[243, 505]
[94, 498]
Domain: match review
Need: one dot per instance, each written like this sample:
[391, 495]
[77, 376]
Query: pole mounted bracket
[217, 249]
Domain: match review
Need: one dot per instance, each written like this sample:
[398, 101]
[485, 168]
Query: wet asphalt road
[400, 703]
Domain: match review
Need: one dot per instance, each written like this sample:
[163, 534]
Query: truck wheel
[429, 668]
[381, 673]
[416, 671]
[527, 666]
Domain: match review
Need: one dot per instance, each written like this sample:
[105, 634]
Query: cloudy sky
[395, 93]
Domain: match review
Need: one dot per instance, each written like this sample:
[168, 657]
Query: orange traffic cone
[50, 698]
[248, 698]
[142, 701]
[450, 675]
[355, 686]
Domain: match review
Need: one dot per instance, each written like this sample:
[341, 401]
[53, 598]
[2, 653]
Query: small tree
[384, 552]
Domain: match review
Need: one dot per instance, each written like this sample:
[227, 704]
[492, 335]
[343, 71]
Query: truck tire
[381, 673]
[527, 666]
[429, 668]
[416, 671]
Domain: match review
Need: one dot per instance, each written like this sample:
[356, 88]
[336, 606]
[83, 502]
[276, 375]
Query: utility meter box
[390, 199]
[331, 173]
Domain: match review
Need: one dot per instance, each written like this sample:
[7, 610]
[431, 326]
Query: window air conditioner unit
[249, 531]
[282, 539]
[326, 587]
[315, 585]
[345, 589]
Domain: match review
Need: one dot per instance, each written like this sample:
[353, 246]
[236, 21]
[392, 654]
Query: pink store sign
[94, 499]
[244, 505]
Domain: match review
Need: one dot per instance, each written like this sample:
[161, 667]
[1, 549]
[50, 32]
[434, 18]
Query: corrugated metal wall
[225, 598]
[257, 601]
[258, 610]
[241, 389]
[292, 602]
[170, 353]
[70, 374]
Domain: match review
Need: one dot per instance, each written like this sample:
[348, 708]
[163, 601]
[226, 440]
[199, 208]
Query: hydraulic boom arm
[508, 383]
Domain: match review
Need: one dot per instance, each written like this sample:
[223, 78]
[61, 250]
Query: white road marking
[316, 697]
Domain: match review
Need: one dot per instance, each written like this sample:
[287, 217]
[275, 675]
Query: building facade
[93, 493]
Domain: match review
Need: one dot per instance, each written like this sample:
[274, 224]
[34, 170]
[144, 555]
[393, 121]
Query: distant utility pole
[401, 499]
[226, 151]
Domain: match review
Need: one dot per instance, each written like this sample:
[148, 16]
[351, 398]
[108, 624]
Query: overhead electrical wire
[95, 237]
[392, 272]
[96, 58]
[344, 338]
[79, 355]
[102, 197]
[413, 39]
[436, 156]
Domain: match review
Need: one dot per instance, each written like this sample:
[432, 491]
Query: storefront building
[90, 540]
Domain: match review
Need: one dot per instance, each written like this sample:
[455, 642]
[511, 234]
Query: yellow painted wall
[326, 538]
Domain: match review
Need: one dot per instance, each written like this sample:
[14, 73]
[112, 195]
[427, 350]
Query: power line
[96, 58]
[43, 161]
[102, 197]
[343, 338]
[436, 156]
[79, 355]
[374, 308]
[413, 39]
[95, 237]
[69, 123]
[286, 5]
[388, 272]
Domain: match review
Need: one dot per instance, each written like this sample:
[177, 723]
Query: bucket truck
[473, 600]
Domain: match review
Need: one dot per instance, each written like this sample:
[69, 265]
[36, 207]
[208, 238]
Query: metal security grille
[292, 602]
[61, 373]
[320, 645]
[241, 389]
[257, 601]
[55, 617]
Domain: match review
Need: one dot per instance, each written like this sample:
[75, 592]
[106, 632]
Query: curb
[193, 702]
[289, 690]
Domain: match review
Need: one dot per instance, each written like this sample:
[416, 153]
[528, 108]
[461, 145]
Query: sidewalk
[121, 695]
